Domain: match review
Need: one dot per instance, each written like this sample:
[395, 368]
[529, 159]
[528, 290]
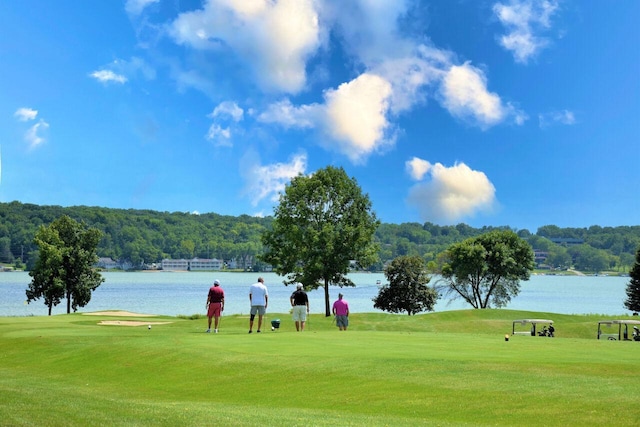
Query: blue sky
[512, 112]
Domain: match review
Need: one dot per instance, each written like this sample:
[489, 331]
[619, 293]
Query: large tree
[633, 287]
[486, 270]
[408, 289]
[322, 223]
[65, 264]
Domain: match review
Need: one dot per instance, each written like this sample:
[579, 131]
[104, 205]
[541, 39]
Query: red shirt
[216, 294]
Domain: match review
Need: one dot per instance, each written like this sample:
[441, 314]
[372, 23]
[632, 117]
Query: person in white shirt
[259, 298]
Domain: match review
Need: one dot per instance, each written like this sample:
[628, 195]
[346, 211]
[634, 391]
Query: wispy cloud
[288, 115]
[25, 114]
[108, 76]
[33, 136]
[228, 109]
[120, 70]
[452, 193]
[135, 7]
[226, 113]
[269, 181]
[563, 117]
[524, 20]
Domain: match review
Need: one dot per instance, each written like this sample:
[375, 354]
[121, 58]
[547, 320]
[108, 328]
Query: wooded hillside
[145, 236]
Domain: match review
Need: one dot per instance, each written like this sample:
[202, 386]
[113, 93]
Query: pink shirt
[341, 308]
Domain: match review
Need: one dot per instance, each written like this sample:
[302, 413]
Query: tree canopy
[408, 289]
[633, 287]
[486, 270]
[64, 267]
[322, 224]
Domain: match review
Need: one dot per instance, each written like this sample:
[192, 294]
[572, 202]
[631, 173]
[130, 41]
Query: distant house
[540, 258]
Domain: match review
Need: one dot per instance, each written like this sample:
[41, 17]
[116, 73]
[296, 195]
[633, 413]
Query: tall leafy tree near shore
[633, 287]
[64, 268]
[486, 270]
[322, 223]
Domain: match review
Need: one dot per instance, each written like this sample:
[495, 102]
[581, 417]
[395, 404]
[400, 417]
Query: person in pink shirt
[341, 311]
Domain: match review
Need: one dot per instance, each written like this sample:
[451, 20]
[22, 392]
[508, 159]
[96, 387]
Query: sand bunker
[121, 313]
[129, 323]
[118, 313]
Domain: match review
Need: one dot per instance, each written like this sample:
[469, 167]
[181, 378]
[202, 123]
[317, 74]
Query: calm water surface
[174, 293]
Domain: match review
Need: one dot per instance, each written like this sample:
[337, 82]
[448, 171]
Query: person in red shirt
[215, 304]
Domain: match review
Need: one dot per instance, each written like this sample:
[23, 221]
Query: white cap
[299, 286]
[216, 282]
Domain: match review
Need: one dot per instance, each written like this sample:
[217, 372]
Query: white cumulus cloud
[451, 193]
[417, 168]
[356, 115]
[464, 93]
[524, 20]
[274, 38]
[353, 117]
[393, 71]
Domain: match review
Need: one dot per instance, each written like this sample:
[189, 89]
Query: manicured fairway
[449, 368]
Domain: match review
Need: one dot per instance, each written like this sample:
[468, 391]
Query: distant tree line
[144, 236]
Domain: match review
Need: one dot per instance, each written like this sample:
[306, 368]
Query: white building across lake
[195, 264]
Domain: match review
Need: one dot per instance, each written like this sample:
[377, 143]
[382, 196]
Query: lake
[176, 293]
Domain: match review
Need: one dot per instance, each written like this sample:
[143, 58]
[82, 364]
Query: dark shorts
[259, 309]
[342, 321]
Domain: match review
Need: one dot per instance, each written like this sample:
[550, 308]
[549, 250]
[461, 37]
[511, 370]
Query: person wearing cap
[300, 304]
[341, 311]
[215, 304]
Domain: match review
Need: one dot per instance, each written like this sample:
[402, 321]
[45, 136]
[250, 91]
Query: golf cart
[607, 330]
[532, 325]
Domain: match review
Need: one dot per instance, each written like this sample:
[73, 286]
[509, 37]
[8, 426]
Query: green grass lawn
[446, 368]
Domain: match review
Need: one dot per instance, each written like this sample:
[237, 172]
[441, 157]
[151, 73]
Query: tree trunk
[50, 305]
[326, 298]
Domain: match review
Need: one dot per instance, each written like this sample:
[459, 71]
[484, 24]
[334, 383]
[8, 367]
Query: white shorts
[299, 313]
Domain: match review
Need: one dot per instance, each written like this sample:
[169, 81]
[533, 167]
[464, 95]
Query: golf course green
[451, 368]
